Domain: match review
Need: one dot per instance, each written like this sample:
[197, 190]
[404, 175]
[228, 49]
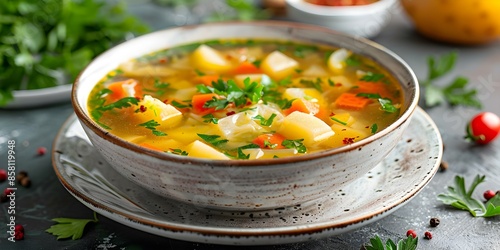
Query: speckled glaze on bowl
[243, 184]
[363, 20]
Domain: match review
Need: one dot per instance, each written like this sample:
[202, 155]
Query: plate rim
[172, 229]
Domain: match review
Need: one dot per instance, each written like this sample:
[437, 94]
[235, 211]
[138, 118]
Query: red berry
[483, 128]
[7, 191]
[41, 151]
[428, 235]
[488, 194]
[18, 235]
[411, 233]
[19, 228]
[3, 175]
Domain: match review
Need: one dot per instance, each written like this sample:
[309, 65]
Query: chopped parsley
[374, 128]
[339, 121]
[313, 84]
[265, 122]
[372, 77]
[385, 103]
[295, 144]
[209, 118]
[151, 125]
[213, 139]
[177, 151]
[232, 93]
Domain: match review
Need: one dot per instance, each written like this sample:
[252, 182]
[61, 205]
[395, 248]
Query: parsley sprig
[251, 91]
[376, 243]
[385, 103]
[455, 93]
[151, 125]
[70, 227]
[459, 197]
[213, 139]
[296, 144]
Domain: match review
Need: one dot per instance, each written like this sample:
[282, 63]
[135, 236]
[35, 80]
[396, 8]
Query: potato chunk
[278, 66]
[345, 135]
[207, 58]
[336, 61]
[154, 109]
[201, 150]
[298, 125]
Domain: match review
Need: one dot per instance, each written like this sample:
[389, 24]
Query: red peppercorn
[411, 233]
[18, 235]
[41, 150]
[142, 108]
[488, 194]
[230, 113]
[3, 175]
[19, 228]
[428, 235]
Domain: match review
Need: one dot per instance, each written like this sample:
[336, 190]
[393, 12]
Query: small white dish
[390, 185]
[39, 97]
[362, 20]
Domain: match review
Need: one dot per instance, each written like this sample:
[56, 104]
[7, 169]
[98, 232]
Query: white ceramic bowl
[243, 184]
[363, 20]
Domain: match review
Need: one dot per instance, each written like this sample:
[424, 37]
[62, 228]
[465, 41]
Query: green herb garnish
[372, 77]
[177, 151]
[69, 227]
[385, 103]
[232, 93]
[459, 197]
[265, 122]
[213, 139]
[374, 128]
[409, 243]
[151, 125]
[339, 121]
[296, 144]
[101, 108]
[454, 93]
[313, 84]
[179, 105]
[209, 118]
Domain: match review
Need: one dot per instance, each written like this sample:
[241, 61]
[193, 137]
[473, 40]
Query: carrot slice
[351, 101]
[270, 141]
[372, 88]
[207, 79]
[147, 145]
[247, 68]
[121, 90]
[198, 103]
[303, 106]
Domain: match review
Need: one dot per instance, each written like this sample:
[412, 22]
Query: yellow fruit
[456, 21]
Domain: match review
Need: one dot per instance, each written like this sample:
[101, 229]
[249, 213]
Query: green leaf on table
[376, 243]
[70, 227]
[455, 93]
[460, 197]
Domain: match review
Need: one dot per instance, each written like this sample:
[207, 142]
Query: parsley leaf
[296, 144]
[264, 121]
[313, 84]
[177, 151]
[122, 103]
[372, 77]
[213, 139]
[69, 227]
[459, 197]
[385, 103]
[454, 93]
[374, 128]
[209, 118]
[376, 243]
[151, 125]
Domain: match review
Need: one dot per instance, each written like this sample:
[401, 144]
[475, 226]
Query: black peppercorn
[434, 222]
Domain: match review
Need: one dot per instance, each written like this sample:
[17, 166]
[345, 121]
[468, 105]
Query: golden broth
[246, 99]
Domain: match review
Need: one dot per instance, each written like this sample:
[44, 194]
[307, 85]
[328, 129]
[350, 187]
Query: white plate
[39, 97]
[387, 187]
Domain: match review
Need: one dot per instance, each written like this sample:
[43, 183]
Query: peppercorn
[22, 174]
[443, 166]
[488, 194]
[428, 235]
[41, 151]
[25, 182]
[434, 222]
[411, 233]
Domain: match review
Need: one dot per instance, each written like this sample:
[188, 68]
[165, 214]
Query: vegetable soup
[246, 99]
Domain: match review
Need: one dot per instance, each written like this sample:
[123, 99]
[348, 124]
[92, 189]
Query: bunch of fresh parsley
[455, 93]
[47, 43]
[376, 243]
